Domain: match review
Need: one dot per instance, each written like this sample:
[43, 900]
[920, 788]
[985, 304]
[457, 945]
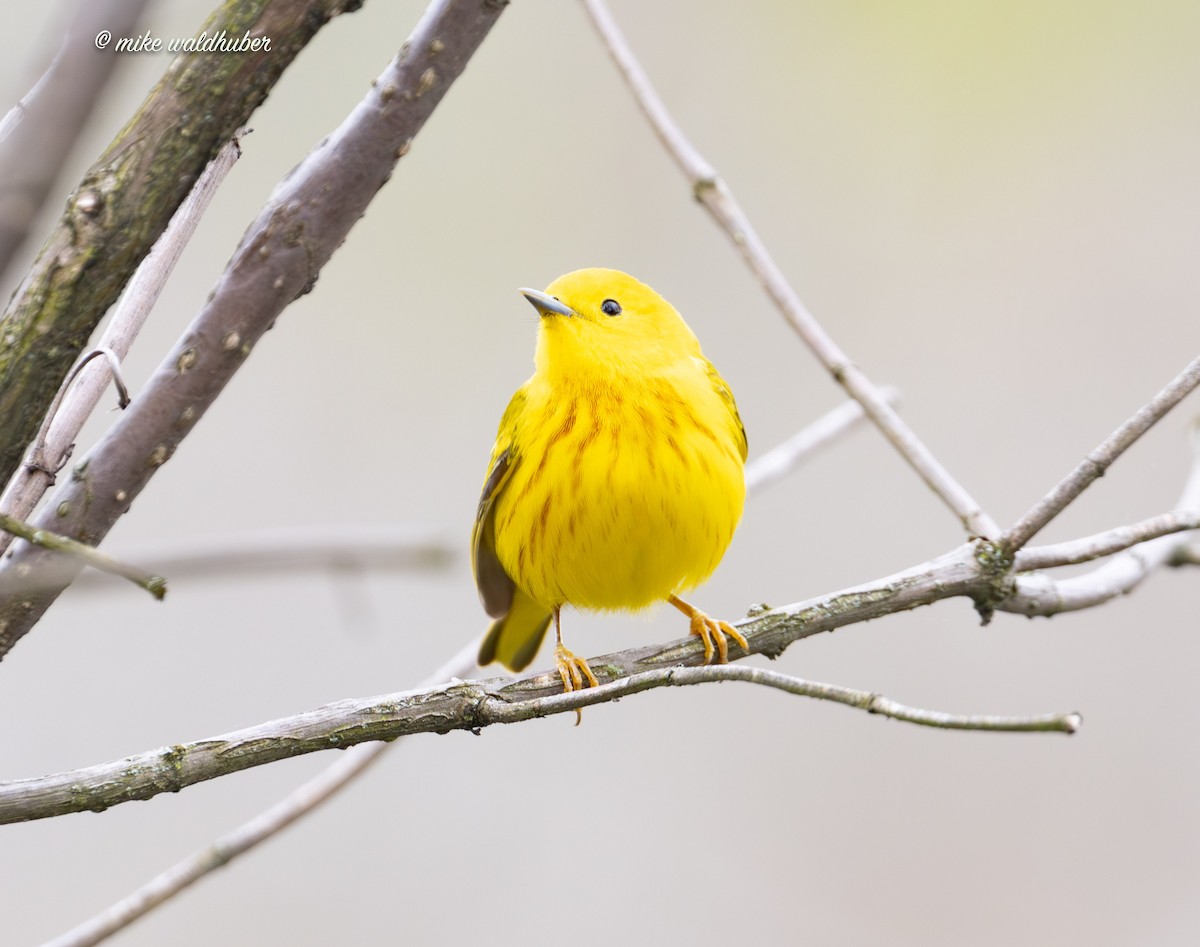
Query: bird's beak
[546, 305]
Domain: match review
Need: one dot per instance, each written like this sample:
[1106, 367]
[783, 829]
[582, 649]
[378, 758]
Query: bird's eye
[610, 307]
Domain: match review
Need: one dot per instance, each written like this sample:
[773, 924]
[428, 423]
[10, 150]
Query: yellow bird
[617, 476]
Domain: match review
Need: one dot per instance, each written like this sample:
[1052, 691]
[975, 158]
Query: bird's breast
[623, 494]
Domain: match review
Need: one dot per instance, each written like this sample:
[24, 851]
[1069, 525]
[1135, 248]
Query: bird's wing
[722, 388]
[494, 584]
[521, 623]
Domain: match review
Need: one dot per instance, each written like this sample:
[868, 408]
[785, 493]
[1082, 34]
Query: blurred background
[994, 207]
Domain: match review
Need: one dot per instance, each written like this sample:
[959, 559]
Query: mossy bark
[126, 198]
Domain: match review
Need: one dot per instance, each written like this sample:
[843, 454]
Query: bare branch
[1100, 459]
[287, 550]
[1106, 543]
[462, 705]
[300, 801]
[718, 199]
[126, 198]
[517, 711]
[37, 462]
[782, 458]
[156, 585]
[306, 219]
[81, 391]
[39, 131]
[1038, 594]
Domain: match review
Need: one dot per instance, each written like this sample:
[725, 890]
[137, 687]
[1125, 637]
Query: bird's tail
[514, 639]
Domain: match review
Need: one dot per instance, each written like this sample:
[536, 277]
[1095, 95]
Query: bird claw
[713, 633]
[573, 670]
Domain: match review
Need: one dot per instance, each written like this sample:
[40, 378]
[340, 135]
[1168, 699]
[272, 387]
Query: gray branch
[1039, 594]
[973, 570]
[345, 548]
[126, 198]
[80, 555]
[1099, 460]
[304, 222]
[81, 391]
[460, 705]
[1103, 544]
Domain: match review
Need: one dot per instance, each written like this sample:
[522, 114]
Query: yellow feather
[616, 479]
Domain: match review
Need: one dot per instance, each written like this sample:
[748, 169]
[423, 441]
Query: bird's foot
[573, 670]
[711, 631]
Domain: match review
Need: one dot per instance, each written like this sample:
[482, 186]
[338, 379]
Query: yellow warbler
[616, 480]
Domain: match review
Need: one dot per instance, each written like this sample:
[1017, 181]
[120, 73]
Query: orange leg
[573, 670]
[710, 631]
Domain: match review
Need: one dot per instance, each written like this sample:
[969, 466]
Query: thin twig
[718, 199]
[218, 854]
[1106, 543]
[81, 391]
[779, 460]
[505, 712]
[156, 585]
[1100, 459]
[290, 549]
[461, 705]
[37, 460]
[1037, 594]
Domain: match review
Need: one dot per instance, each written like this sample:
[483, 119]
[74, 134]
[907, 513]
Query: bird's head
[605, 319]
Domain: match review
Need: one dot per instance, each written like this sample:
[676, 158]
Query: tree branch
[966, 571]
[125, 200]
[1106, 543]
[81, 391]
[782, 458]
[460, 705]
[1039, 594]
[156, 585]
[494, 710]
[1099, 460]
[343, 547]
[711, 191]
[306, 219]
